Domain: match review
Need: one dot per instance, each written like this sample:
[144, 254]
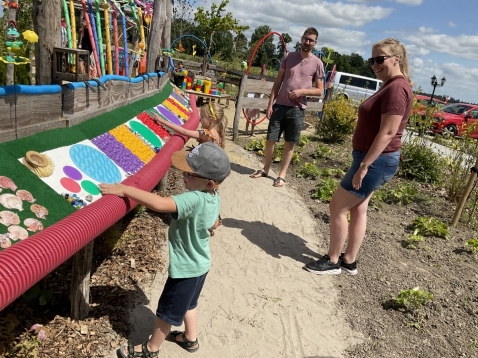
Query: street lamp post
[435, 84]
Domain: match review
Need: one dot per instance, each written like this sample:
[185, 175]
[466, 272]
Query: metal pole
[434, 86]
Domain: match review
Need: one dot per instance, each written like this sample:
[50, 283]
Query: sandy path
[257, 300]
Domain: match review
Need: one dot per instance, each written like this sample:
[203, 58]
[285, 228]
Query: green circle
[90, 187]
[146, 133]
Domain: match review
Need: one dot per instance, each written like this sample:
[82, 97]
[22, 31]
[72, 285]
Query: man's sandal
[184, 343]
[258, 174]
[277, 182]
[145, 353]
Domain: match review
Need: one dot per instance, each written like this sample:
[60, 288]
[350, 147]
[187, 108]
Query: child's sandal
[184, 343]
[145, 353]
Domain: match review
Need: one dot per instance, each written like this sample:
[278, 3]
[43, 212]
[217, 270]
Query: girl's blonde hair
[395, 47]
[218, 118]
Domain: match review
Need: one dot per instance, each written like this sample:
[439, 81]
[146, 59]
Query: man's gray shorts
[289, 120]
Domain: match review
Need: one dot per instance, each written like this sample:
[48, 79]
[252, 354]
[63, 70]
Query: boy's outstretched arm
[142, 197]
[177, 129]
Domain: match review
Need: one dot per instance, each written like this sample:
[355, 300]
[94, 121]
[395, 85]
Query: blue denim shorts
[381, 171]
[179, 296]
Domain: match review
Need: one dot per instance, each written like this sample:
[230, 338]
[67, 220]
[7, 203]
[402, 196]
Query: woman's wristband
[364, 166]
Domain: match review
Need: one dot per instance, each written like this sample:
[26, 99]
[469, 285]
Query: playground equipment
[102, 18]
[249, 67]
[194, 37]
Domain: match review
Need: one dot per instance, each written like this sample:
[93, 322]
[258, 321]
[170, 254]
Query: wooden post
[154, 36]
[12, 16]
[47, 25]
[465, 194]
[163, 183]
[80, 283]
[237, 115]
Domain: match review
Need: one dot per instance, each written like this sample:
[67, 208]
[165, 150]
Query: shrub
[421, 163]
[338, 119]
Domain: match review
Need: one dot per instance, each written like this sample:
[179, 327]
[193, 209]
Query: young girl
[213, 122]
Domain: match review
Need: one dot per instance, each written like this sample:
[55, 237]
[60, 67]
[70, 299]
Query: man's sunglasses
[379, 59]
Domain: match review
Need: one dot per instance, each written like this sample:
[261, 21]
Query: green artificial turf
[57, 207]
[12, 168]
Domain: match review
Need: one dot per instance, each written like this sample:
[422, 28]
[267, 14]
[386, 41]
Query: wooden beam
[80, 283]
[239, 105]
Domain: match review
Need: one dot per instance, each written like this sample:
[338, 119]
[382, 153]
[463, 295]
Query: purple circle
[72, 172]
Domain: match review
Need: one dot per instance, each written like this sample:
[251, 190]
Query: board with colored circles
[79, 169]
[114, 155]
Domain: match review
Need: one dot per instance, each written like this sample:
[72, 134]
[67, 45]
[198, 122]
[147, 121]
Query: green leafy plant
[404, 194]
[426, 226]
[473, 245]
[421, 163]
[412, 299]
[256, 145]
[378, 198]
[309, 170]
[413, 240]
[322, 151]
[325, 190]
[303, 141]
[338, 119]
[296, 157]
[26, 345]
[332, 172]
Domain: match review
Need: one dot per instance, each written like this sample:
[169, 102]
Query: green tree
[280, 47]
[214, 19]
[266, 50]
[223, 45]
[182, 20]
[240, 46]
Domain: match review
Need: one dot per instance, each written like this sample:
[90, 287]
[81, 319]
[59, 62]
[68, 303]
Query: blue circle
[95, 164]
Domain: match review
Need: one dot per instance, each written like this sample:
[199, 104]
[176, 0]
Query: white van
[353, 86]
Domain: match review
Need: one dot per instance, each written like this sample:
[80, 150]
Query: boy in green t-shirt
[195, 214]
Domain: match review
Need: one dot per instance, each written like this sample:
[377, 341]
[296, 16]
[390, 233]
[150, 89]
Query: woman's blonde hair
[219, 119]
[395, 47]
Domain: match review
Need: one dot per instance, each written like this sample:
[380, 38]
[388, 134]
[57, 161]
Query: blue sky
[441, 36]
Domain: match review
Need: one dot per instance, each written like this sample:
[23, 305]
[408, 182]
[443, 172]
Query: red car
[425, 101]
[453, 120]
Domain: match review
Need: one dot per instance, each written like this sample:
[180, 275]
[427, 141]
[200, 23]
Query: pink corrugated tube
[25, 263]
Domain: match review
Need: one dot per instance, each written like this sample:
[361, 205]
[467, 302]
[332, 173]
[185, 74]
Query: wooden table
[201, 95]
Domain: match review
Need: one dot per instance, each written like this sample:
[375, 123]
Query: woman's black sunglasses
[379, 59]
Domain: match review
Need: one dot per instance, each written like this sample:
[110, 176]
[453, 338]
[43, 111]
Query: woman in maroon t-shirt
[376, 152]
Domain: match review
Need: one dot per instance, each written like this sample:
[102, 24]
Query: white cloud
[294, 18]
[414, 50]
[451, 24]
[462, 46]
[457, 85]
[410, 2]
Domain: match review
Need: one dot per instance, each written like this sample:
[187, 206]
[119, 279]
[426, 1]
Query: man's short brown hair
[311, 31]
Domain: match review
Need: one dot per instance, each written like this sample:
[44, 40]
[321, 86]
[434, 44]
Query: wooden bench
[201, 95]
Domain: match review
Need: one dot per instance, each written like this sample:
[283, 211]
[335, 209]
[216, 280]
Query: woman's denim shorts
[381, 171]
